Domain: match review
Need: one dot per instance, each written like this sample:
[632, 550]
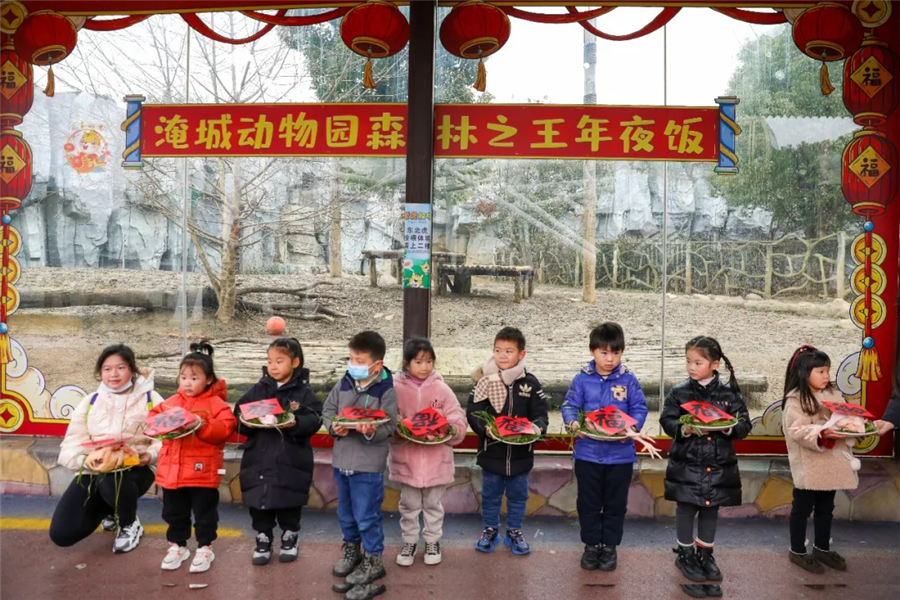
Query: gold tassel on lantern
[824, 81]
[481, 82]
[5, 349]
[869, 365]
[51, 84]
[368, 81]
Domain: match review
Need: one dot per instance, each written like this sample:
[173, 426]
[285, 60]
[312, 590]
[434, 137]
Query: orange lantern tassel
[481, 82]
[368, 81]
[824, 80]
[5, 349]
[51, 84]
[869, 365]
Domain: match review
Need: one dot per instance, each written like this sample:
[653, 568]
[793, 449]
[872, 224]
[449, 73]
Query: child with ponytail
[190, 467]
[702, 474]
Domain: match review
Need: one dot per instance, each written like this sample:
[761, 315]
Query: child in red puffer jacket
[424, 471]
[190, 467]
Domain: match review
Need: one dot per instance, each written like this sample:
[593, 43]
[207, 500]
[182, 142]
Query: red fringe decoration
[203, 29]
[748, 16]
[544, 18]
[114, 24]
[666, 15]
[296, 21]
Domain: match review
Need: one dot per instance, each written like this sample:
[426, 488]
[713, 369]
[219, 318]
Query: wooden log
[373, 272]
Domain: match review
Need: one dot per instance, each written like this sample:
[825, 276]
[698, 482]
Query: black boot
[351, 559]
[590, 560]
[365, 592]
[687, 563]
[707, 562]
[830, 559]
[713, 590]
[694, 590]
[608, 558]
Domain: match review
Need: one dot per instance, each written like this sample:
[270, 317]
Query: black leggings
[707, 518]
[805, 501]
[91, 498]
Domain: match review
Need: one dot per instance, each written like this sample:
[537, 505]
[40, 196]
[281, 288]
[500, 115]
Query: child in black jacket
[277, 465]
[702, 474]
[505, 387]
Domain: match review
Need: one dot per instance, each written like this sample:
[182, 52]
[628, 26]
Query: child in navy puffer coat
[603, 469]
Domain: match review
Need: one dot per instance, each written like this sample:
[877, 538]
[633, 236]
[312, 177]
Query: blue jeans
[360, 496]
[492, 488]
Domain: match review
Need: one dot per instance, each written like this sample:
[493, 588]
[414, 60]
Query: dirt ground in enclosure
[758, 336]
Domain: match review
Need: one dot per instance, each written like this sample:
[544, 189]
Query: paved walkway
[750, 552]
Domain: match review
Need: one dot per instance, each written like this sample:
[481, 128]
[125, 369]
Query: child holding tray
[702, 474]
[424, 471]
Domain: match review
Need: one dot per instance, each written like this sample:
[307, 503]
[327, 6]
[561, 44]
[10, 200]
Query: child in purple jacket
[603, 469]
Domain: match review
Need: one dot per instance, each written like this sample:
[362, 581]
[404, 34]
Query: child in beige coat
[820, 464]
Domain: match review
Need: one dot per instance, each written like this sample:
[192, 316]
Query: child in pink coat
[424, 471]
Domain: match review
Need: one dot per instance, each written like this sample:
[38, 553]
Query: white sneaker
[407, 555]
[432, 553]
[108, 523]
[203, 558]
[175, 556]
[129, 537]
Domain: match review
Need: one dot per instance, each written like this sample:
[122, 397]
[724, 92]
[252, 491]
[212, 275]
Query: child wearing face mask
[359, 460]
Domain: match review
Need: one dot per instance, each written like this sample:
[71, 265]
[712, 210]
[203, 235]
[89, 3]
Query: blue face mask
[358, 372]
[109, 390]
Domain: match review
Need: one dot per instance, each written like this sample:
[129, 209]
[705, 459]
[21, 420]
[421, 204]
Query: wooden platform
[437, 258]
[458, 278]
[240, 364]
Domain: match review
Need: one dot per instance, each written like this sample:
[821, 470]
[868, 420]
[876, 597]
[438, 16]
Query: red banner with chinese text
[460, 130]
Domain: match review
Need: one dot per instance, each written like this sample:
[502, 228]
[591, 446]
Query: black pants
[707, 519]
[91, 498]
[264, 520]
[602, 501]
[805, 501]
[177, 507]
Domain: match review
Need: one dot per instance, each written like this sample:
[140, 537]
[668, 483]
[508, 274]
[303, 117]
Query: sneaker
[590, 559]
[707, 562]
[432, 553]
[490, 537]
[128, 537]
[515, 539]
[288, 550]
[370, 569]
[203, 558]
[365, 592]
[830, 558]
[108, 523]
[807, 562]
[687, 563]
[608, 558]
[175, 556]
[351, 559]
[263, 551]
[407, 555]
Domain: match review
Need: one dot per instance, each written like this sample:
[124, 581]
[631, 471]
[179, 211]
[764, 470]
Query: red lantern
[44, 38]
[376, 29]
[869, 173]
[16, 87]
[870, 82]
[827, 32]
[475, 29]
[15, 169]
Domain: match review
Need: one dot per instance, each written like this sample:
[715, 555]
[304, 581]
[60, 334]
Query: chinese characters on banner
[611, 420]
[417, 246]
[705, 411]
[851, 410]
[260, 409]
[461, 130]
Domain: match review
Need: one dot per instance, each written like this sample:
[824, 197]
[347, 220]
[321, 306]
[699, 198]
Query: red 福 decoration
[870, 82]
[16, 86]
[475, 29]
[867, 179]
[827, 32]
[15, 170]
[44, 38]
[376, 29]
